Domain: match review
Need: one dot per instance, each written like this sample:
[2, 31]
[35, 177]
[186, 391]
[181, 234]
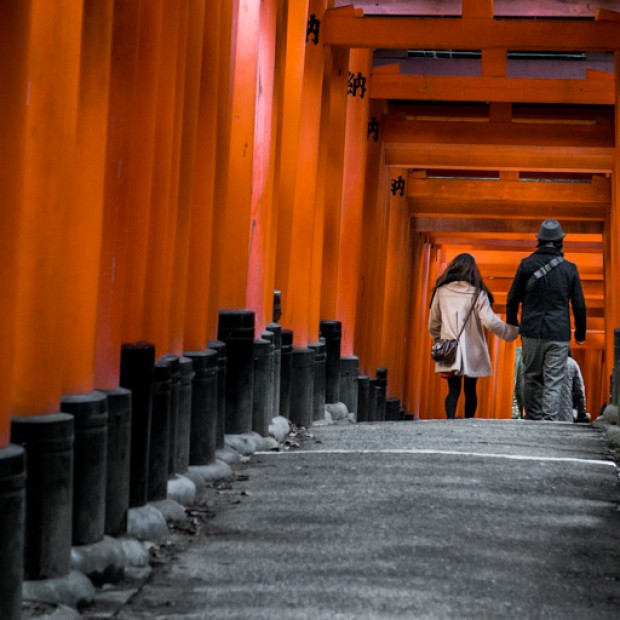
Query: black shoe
[582, 418]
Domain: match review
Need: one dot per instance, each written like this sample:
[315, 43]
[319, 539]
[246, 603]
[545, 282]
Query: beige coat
[448, 311]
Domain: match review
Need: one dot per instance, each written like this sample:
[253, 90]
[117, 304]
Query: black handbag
[444, 349]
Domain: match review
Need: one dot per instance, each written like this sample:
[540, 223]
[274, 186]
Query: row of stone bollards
[70, 479]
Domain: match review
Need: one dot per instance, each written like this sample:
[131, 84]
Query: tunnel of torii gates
[162, 161]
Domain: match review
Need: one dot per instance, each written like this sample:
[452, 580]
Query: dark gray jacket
[546, 312]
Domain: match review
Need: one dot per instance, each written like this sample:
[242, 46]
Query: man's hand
[579, 341]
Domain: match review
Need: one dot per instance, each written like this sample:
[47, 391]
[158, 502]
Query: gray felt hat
[550, 230]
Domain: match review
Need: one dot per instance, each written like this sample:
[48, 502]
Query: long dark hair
[462, 268]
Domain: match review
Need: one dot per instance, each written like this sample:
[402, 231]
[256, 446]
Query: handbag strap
[473, 303]
[543, 271]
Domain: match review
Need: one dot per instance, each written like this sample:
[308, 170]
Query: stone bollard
[269, 410]
[12, 524]
[173, 427]
[331, 331]
[363, 398]
[184, 417]
[610, 412]
[381, 388]
[373, 393]
[220, 347]
[285, 373]
[392, 409]
[137, 363]
[277, 306]
[320, 362]
[615, 395]
[48, 441]
[262, 386]
[302, 387]
[119, 461]
[157, 488]
[90, 455]
[203, 427]
[349, 371]
[236, 330]
[276, 330]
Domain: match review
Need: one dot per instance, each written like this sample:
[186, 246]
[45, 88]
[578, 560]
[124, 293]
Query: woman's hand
[510, 332]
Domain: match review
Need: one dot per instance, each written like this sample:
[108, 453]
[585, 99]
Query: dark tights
[471, 398]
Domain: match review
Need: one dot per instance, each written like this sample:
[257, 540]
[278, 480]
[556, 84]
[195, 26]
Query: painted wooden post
[123, 63]
[477, 8]
[612, 241]
[334, 139]
[83, 247]
[14, 18]
[187, 111]
[162, 219]
[505, 379]
[418, 367]
[291, 96]
[261, 264]
[323, 190]
[233, 216]
[353, 192]
[49, 152]
[225, 42]
[14, 22]
[299, 293]
[200, 268]
[394, 313]
[136, 214]
[374, 234]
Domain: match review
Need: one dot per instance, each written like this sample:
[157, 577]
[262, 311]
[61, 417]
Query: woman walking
[461, 306]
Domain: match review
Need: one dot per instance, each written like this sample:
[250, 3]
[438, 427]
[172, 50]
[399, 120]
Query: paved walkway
[435, 519]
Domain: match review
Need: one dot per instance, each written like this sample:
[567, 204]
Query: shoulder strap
[543, 271]
[473, 303]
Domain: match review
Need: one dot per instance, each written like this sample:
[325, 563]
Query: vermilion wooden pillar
[233, 221]
[279, 81]
[477, 8]
[49, 151]
[430, 385]
[14, 21]
[200, 267]
[261, 265]
[291, 93]
[374, 234]
[319, 63]
[186, 115]
[353, 191]
[299, 300]
[163, 203]
[112, 264]
[224, 95]
[82, 251]
[612, 244]
[396, 277]
[334, 139]
[322, 189]
[417, 369]
[136, 211]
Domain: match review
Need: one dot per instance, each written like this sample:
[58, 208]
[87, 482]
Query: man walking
[545, 284]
